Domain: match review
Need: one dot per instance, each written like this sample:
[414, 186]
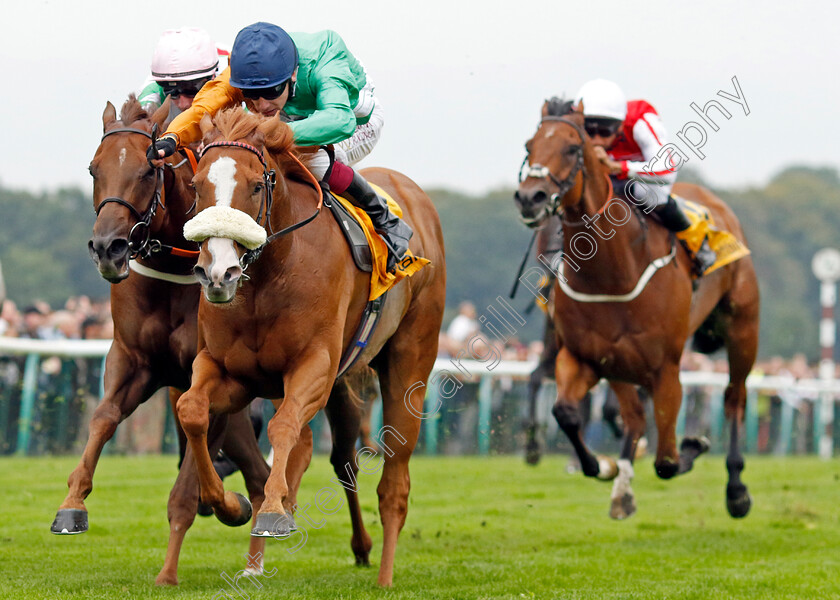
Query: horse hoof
[70, 521]
[362, 560]
[204, 510]
[667, 469]
[623, 507]
[166, 579]
[532, 456]
[607, 468]
[740, 506]
[245, 512]
[696, 445]
[274, 525]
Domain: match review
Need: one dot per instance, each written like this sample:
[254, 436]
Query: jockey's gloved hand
[163, 147]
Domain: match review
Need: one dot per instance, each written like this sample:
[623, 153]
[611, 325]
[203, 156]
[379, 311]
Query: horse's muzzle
[532, 205]
[219, 290]
[110, 255]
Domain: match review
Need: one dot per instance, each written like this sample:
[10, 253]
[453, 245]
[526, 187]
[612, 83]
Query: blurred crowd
[68, 389]
[80, 318]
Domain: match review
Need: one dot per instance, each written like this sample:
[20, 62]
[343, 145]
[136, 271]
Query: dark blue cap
[263, 55]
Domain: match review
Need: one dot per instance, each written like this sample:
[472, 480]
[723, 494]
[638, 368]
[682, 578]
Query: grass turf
[477, 528]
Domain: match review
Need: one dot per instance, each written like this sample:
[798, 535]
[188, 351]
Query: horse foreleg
[174, 394]
[208, 384]
[574, 380]
[545, 368]
[622, 500]
[307, 389]
[345, 418]
[667, 397]
[126, 386]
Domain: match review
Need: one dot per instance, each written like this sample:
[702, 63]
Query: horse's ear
[579, 107]
[207, 127]
[161, 113]
[109, 115]
[544, 111]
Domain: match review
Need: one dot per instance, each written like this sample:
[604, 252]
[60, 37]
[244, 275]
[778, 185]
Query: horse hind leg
[181, 510]
[574, 380]
[345, 418]
[742, 347]
[241, 446]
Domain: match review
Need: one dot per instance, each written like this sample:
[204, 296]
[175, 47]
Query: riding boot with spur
[673, 218]
[394, 231]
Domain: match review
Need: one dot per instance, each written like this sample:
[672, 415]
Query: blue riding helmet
[263, 55]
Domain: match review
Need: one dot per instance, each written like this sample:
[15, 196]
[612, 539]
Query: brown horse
[624, 306]
[281, 332]
[141, 211]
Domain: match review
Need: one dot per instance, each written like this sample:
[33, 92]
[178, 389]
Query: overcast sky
[462, 81]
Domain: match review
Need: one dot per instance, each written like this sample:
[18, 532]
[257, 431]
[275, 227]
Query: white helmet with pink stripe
[602, 98]
[184, 54]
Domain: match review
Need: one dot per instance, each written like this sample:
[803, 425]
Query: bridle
[269, 181]
[140, 242]
[539, 171]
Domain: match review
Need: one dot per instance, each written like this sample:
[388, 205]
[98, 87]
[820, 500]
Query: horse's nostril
[200, 273]
[118, 249]
[233, 273]
[539, 197]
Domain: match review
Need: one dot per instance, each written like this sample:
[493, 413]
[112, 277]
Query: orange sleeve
[213, 97]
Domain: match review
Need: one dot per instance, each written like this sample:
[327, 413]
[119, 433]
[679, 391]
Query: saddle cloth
[727, 247]
[381, 280]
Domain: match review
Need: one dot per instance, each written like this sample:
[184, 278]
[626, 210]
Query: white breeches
[363, 140]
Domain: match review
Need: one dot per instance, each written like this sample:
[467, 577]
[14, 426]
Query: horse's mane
[131, 111]
[558, 107]
[235, 124]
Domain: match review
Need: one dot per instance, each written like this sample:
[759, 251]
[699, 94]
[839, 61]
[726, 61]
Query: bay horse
[280, 330]
[624, 301]
[141, 211]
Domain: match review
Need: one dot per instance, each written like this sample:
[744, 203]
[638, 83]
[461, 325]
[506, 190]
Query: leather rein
[145, 246]
[269, 181]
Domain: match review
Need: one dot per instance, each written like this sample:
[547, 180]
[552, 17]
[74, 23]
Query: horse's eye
[90, 170]
[572, 150]
[258, 188]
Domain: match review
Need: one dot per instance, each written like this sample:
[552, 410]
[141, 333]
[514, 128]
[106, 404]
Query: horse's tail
[709, 337]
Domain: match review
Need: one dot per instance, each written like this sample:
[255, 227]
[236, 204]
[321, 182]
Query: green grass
[477, 528]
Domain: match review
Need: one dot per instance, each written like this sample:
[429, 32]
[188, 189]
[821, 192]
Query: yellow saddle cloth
[381, 280]
[727, 247]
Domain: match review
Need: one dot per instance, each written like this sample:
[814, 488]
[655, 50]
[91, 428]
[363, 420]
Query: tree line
[43, 249]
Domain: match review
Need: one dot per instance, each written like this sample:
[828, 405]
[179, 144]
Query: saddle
[726, 246]
[370, 256]
[353, 233]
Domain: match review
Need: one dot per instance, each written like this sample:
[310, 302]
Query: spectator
[462, 328]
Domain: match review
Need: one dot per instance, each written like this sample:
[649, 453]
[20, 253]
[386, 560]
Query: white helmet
[184, 54]
[602, 98]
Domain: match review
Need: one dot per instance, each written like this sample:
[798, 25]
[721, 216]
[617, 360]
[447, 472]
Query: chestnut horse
[141, 212]
[281, 331]
[624, 306]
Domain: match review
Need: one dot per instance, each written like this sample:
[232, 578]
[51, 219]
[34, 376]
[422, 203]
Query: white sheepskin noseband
[225, 222]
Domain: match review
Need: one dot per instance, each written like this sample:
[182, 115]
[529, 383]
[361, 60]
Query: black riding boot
[393, 230]
[674, 219]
